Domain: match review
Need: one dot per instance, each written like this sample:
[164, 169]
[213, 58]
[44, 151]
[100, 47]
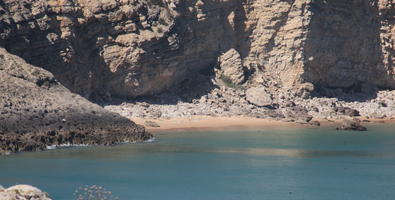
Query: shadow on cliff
[75, 62]
[343, 50]
[202, 41]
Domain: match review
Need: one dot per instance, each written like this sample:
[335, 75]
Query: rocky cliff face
[36, 111]
[350, 45]
[128, 48]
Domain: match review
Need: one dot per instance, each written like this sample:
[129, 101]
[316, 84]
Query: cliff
[37, 111]
[128, 48]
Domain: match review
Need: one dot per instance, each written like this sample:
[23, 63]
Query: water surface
[316, 164]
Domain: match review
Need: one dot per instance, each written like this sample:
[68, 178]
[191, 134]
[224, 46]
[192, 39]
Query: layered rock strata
[128, 48]
[37, 111]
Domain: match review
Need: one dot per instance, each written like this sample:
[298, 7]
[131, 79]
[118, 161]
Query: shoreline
[207, 123]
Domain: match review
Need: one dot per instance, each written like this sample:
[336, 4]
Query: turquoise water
[311, 164]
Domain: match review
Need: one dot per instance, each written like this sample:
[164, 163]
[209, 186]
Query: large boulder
[37, 111]
[351, 125]
[230, 68]
[259, 96]
[298, 114]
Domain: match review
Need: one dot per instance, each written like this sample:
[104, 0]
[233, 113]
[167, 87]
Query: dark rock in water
[37, 111]
[352, 125]
[151, 124]
[347, 111]
[315, 123]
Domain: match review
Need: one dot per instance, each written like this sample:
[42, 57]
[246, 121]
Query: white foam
[151, 140]
[67, 145]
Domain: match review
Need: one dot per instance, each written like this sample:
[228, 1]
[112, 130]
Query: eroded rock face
[37, 111]
[350, 44]
[134, 48]
[120, 48]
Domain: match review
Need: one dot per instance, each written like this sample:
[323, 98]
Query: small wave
[67, 145]
[151, 140]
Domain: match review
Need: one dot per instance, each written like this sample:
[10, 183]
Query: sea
[231, 164]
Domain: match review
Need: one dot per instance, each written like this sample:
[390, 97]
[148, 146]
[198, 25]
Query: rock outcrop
[22, 192]
[129, 48]
[37, 111]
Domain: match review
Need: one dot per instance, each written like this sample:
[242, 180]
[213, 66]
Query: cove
[310, 163]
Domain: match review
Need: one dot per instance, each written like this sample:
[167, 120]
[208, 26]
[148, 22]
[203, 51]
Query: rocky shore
[36, 111]
[223, 101]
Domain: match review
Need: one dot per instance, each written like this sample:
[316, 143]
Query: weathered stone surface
[298, 114]
[37, 111]
[305, 90]
[315, 123]
[259, 96]
[230, 68]
[344, 43]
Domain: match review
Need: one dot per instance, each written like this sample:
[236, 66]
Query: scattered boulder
[298, 114]
[274, 114]
[286, 103]
[352, 125]
[347, 111]
[259, 97]
[315, 123]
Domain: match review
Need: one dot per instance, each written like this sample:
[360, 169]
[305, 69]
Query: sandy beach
[197, 123]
